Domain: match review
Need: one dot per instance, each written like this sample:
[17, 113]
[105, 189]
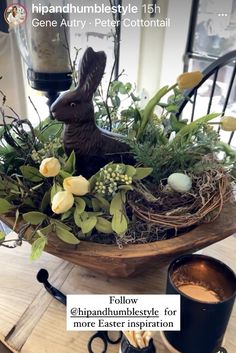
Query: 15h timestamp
[151, 9]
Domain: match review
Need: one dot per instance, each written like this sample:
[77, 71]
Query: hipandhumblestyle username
[98, 22]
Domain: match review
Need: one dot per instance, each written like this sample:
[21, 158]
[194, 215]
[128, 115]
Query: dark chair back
[219, 80]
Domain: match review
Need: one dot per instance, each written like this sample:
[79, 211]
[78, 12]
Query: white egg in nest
[180, 182]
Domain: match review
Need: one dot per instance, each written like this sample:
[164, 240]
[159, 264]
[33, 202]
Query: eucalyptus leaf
[96, 205]
[103, 202]
[84, 216]
[126, 187]
[55, 189]
[130, 170]
[88, 224]
[142, 173]
[96, 214]
[63, 174]
[66, 215]
[34, 218]
[37, 248]
[2, 236]
[104, 226]
[119, 223]
[77, 219]
[66, 236]
[5, 206]
[28, 202]
[46, 230]
[51, 130]
[31, 173]
[69, 167]
[45, 201]
[57, 223]
[80, 205]
[116, 204]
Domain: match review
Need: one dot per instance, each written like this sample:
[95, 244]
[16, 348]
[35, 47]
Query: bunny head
[76, 106]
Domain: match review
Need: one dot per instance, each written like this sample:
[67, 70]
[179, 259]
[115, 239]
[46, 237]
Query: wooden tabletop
[31, 321]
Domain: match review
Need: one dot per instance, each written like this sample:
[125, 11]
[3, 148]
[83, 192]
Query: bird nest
[172, 210]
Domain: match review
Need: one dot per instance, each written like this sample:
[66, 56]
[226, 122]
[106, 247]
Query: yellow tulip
[50, 167]
[77, 185]
[62, 202]
[189, 80]
[228, 123]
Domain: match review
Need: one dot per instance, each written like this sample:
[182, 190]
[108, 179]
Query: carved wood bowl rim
[133, 258]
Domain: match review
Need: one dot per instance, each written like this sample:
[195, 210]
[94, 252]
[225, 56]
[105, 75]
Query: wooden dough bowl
[133, 259]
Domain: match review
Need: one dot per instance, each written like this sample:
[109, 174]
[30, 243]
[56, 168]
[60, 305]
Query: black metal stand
[50, 83]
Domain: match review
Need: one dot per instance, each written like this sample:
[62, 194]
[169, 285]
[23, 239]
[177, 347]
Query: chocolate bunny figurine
[94, 147]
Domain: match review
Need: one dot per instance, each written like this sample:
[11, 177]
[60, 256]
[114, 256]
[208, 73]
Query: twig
[36, 110]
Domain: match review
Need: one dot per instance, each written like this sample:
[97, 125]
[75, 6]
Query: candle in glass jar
[49, 46]
[199, 292]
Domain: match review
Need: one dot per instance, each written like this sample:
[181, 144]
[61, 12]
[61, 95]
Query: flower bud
[50, 167]
[189, 80]
[77, 185]
[228, 123]
[62, 202]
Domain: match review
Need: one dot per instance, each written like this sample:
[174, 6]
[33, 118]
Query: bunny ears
[91, 70]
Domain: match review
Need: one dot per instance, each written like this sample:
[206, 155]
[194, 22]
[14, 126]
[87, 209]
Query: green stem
[148, 110]
[188, 128]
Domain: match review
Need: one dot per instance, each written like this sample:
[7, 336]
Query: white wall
[162, 49]
[175, 40]
[151, 52]
[10, 69]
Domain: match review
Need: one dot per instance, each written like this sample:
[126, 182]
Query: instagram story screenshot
[117, 176]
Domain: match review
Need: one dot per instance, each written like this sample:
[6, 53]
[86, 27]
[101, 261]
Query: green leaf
[66, 215]
[63, 174]
[5, 206]
[189, 128]
[104, 226]
[84, 216]
[126, 187]
[2, 236]
[128, 86]
[66, 236]
[131, 134]
[55, 189]
[46, 230]
[130, 171]
[37, 248]
[77, 219]
[116, 204]
[29, 202]
[96, 205]
[45, 201]
[50, 130]
[172, 108]
[103, 202]
[119, 223]
[88, 224]
[80, 205]
[70, 163]
[176, 125]
[149, 108]
[34, 218]
[142, 173]
[31, 173]
[57, 223]
[123, 89]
